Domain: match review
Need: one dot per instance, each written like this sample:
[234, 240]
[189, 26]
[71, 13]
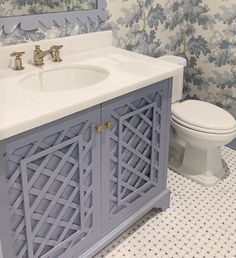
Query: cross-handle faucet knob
[18, 60]
[57, 47]
[56, 53]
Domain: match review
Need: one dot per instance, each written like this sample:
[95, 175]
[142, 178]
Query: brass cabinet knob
[98, 128]
[108, 124]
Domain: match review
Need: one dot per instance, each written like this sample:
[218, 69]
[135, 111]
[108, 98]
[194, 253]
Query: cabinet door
[53, 181]
[133, 149]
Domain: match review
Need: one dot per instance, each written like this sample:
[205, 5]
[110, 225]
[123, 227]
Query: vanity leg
[164, 201]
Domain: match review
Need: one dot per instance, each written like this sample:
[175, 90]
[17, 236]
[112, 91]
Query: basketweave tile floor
[200, 223]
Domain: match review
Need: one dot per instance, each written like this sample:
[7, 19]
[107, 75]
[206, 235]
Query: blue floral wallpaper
[203, 31]
[25, 7]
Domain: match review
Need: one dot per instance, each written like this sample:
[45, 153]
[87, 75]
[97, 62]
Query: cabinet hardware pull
[98, 128]
[108, 124]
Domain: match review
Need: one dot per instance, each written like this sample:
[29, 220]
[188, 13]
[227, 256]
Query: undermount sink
[64, 78]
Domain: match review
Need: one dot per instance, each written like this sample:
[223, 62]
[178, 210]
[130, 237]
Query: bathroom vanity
[78, 166]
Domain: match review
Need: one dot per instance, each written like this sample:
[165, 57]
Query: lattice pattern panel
[137, 169]
[135, 142]
[51, 191]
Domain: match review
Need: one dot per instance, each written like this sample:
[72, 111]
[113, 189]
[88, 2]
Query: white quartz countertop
[22, 109]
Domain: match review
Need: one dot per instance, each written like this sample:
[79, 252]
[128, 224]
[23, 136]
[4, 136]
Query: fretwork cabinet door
[53, 181]
[134, 163]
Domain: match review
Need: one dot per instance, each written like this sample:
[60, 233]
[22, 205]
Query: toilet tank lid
[174, 59]
[203, 115]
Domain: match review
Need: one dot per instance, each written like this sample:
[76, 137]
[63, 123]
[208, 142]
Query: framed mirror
[30, 14]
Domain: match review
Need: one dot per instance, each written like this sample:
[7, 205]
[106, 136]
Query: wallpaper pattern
[202, 31]
[25, 7]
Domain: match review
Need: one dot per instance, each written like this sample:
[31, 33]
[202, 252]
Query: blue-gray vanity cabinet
[67, 189]
[134, 149]
[52, 182]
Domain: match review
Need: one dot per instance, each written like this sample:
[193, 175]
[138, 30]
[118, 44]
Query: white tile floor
[200, 223]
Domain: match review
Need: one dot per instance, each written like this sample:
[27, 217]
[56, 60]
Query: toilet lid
[203, 115]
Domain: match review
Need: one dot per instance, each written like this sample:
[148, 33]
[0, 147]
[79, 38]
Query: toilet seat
[200, 129]
[203, 117]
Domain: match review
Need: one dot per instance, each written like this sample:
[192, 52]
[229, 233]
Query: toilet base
[206, 181]
[203, 166]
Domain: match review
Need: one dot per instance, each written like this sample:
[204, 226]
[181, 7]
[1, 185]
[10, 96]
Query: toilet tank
[178, 79]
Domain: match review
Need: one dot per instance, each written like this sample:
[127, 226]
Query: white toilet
[199, 129]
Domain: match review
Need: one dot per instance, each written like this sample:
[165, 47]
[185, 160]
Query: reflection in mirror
[29, 7]
[29, 15]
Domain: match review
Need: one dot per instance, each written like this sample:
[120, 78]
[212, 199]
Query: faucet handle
[55, 53]
[17, 54]
[57, 47]
[18, 60]
[37, 47]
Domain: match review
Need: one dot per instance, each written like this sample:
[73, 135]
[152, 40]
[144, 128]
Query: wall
[26, 7]
[203, 31]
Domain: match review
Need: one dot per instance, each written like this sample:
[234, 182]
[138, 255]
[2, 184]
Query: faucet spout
[39, 54]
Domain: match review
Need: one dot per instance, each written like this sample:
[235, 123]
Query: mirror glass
[10, 8]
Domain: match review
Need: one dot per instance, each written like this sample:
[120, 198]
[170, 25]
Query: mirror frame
[32, 22]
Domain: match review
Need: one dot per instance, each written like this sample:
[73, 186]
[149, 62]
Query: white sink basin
[64, 78]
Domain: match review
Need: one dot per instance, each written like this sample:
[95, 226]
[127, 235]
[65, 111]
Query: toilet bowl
[201, 134]
[199, 130]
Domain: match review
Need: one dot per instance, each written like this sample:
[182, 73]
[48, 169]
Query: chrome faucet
[39, 54]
